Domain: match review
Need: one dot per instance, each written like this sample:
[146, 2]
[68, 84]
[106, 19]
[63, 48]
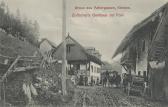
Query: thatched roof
[131, 35]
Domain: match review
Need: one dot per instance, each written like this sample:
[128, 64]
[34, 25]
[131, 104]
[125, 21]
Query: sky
[105, 34]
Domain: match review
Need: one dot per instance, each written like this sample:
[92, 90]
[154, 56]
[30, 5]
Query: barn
[144, 52]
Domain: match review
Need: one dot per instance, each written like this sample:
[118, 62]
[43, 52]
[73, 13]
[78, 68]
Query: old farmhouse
[144, 52]
[80, 61]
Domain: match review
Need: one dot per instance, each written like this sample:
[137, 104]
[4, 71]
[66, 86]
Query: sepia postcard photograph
[83, 53]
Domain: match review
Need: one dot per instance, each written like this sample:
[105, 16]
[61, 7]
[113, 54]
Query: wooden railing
[21, 63]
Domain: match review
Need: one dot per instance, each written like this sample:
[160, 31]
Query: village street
[51, 56]
[99, 96]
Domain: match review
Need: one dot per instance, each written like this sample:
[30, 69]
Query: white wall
[95, 73]
[142, 65]
[142, 62]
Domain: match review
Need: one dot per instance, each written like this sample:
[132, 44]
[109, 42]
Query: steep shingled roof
[70, 40]
[130, 36]
[50, 42]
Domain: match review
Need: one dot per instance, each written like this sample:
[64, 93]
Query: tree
[14, 25]
[2, 14]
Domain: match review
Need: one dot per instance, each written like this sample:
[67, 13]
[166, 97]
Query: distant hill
[107, 65]
[116, 67]
[111, 66]
[12, 46]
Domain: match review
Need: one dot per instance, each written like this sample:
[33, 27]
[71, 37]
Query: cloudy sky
[105, 34]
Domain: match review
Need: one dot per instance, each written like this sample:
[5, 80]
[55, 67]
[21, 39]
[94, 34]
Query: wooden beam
[157, 30]
[64, 62]
[22, 69]
[9, 71]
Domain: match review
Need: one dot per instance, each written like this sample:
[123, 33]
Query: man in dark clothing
[118, 80]
[107, 77]
[104, 81]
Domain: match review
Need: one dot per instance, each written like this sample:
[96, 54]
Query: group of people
[111, 79]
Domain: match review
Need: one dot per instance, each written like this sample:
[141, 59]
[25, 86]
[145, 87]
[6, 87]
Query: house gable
[74, 51]
[45, 46]
[150, 23]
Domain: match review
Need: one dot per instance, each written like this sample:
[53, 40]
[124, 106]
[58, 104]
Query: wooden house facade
[79, 62]
[46, 48]
[144, 52]
[46, 45]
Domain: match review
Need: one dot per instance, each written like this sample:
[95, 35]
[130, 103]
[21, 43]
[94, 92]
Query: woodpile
[48, 84]
[24, 83]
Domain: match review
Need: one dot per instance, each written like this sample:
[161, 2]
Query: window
[6, 61]
[78, 66]
[69, 67]
[138, 50]
[68, 48]
[151, 36]
[143, 46]
[139, 73]
[145, 76]
[144, 73]
[92, 68]
[88, 66]
[98, 71]
[82, 67]
[95, 70]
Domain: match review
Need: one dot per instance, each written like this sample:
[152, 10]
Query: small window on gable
[68, 48]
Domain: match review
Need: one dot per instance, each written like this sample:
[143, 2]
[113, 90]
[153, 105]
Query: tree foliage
[23, 29]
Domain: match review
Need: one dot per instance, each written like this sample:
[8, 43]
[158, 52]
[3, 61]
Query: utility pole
[64, 47]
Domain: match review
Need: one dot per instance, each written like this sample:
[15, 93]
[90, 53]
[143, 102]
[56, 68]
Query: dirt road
[109, 97]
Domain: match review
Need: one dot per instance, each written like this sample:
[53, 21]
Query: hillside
[11, 46]
[114, 66]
